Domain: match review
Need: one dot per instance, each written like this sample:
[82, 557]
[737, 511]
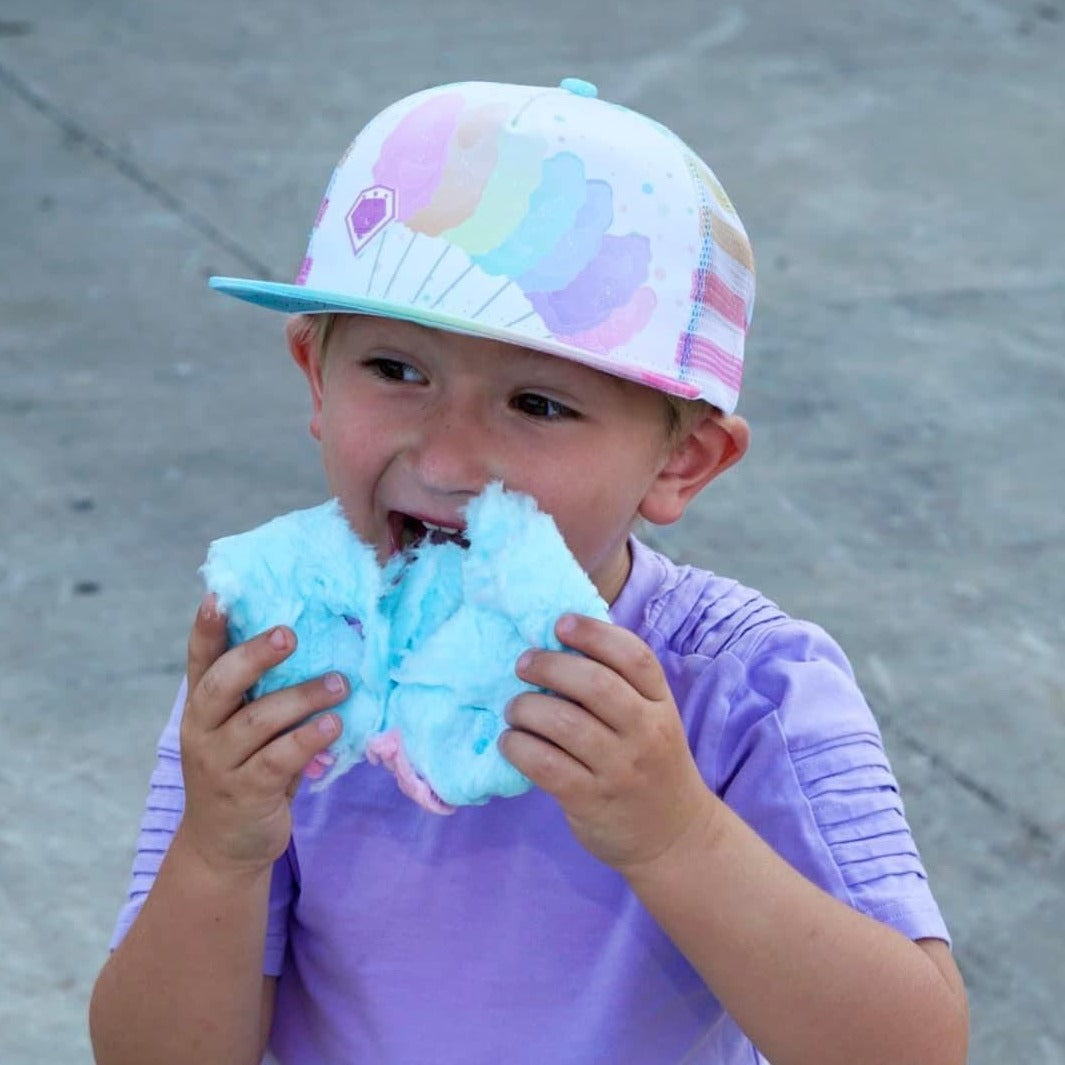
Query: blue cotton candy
[428, 643]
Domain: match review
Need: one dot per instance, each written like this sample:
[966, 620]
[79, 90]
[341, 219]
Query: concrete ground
[899, 167]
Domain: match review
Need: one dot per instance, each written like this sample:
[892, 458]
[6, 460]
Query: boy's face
[414, 422]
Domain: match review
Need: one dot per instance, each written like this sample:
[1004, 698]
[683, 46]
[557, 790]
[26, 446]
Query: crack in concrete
[76, 133]
[1034, 831]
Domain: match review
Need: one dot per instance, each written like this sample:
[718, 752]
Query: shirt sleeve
[162, 813]
[802, 761]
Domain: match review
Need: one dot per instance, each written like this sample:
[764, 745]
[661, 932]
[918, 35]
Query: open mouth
[408, 532]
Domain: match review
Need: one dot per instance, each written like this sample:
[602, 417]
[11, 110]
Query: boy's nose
[455, 453]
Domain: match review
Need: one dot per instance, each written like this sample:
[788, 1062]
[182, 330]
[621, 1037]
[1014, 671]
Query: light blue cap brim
[298, 299]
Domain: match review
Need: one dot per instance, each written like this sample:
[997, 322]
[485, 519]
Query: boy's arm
[809, 979]
[186, 984]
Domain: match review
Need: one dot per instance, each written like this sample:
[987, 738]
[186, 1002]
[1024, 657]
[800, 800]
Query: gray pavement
[899, 167]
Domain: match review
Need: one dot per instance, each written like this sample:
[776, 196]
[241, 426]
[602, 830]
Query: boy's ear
[303, 346]
[707, 449]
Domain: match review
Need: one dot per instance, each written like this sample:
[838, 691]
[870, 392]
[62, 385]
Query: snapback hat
[542, 217]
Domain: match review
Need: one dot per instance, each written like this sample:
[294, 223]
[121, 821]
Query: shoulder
[687, 611]
[742, 670]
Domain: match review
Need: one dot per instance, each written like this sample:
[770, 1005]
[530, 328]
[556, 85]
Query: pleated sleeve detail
[803, 762]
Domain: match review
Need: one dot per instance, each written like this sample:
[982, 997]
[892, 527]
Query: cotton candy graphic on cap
[465, 174]
[428, 643]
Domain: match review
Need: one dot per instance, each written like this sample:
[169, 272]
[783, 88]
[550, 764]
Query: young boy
[533, 286]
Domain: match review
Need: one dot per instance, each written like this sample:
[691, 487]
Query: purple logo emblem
[371, 212]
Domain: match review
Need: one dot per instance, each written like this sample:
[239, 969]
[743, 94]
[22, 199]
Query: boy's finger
[617, 649]
[598, 689]
[258, 723]
[547, 766]
[207, 640]
[283, 759]
[567, 726]
[222, 685]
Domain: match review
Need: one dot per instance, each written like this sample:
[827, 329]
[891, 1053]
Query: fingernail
[328, 724]
[209, 606]
[279, 639]
[334, 683]
[524, 661]
[566, 624]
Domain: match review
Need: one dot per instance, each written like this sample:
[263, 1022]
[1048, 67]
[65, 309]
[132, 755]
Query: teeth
[414, 531]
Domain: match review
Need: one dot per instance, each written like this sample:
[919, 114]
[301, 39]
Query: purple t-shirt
[398, 936]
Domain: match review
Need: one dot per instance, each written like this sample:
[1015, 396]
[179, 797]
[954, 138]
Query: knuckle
[273, 761]
[210, 688]
[286, 755]
[601, 687]
[545, 761]
[301, 746]
[252, 717]
[195, 766]
[299, 704]
[568, 725]
[612, 791]
[644, 658]
[664, 730]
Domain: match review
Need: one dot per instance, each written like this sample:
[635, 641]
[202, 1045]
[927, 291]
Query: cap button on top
[578, 86]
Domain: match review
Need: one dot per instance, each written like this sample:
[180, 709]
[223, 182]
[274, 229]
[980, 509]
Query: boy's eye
[537, 406]
[395, 370]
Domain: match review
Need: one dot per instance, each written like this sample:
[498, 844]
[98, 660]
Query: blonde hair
[682, 414]
[314, 329]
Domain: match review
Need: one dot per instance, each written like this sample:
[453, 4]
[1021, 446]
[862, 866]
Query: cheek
[593, 520]
[341, 427]
[340, 458]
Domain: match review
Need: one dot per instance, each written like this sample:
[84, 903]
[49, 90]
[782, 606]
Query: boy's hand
[609, 744]
[242, 761]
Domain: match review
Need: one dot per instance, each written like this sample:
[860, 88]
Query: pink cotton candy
[387, 749]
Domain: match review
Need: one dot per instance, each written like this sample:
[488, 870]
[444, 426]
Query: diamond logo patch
[371, 212]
